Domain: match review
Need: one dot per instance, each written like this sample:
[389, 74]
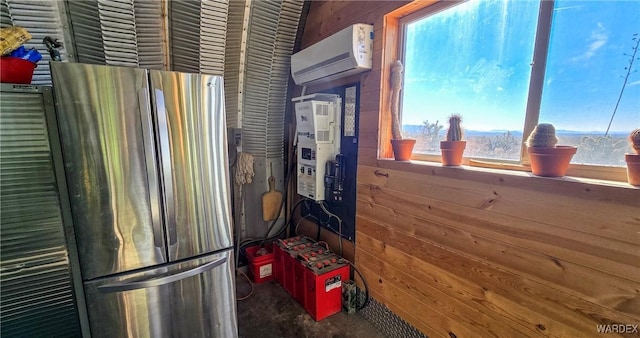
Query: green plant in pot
[453, 148]
[633, 160]
[548, 159]
[402, 148]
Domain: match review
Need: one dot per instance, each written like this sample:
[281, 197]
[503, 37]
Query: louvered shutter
[87, 32]
[281, 65]
[117, 21]
[5, 17]
[185, 36]
[37, 298]
[272, 31]
[118, 32]
[263, 25]
[149, 34]
[198, 36]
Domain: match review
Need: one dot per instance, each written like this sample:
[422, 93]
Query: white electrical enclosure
[318, 119]
[348, 52]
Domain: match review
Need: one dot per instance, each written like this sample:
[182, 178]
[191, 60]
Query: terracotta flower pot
[633, 168]
[452, 152]
[550, 161]
[402, 149]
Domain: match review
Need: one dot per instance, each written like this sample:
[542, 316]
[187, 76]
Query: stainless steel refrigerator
[145, 157]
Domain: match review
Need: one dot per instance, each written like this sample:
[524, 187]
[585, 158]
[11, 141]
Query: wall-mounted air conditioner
[344, 53]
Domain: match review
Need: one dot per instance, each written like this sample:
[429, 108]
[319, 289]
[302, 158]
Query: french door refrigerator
[145, 157]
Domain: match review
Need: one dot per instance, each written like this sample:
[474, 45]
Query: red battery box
[311, 254]
[323, 280]
[285, 252]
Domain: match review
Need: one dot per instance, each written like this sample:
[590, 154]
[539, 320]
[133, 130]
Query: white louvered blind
[185, 35]
[87, 32]
[104, 31]
[213, 31]
[149, 33]
[198, 36]
[118, 32]
[118, 25]
[280, 70]
[273, 26]
[37, 292]
[263, 25]
[5, 18]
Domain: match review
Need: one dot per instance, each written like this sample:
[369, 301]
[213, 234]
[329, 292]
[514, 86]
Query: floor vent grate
[386, 321]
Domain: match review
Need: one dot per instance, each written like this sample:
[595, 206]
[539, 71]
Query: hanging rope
[244, 169]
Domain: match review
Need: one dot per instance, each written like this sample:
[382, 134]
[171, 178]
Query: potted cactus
[453, 148]
[548, 159]
[633, 160]
[402, 148]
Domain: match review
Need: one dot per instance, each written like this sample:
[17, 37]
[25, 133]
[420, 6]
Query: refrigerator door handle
[167, 171]
[151, 281]
[152, 174]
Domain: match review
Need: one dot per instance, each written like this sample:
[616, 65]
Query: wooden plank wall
[484, 253]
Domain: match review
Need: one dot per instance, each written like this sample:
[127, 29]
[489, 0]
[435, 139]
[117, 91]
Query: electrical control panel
[341, 172]
[318, 120]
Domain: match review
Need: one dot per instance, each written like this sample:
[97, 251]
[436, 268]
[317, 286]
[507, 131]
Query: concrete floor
[272, 312]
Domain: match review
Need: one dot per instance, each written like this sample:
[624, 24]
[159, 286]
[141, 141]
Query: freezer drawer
[195, 298]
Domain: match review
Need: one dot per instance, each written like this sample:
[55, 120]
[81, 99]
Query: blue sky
[492, 45]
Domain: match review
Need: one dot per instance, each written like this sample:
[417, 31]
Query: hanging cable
[247, 241]
[237, 221]
[295, 231]
[326, 245]
[326, 211]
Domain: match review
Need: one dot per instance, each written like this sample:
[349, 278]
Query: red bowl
[16, 70]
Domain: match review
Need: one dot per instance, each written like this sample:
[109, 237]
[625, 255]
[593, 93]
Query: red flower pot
[402, 149]
[633, 168]
[550, 161]
[452, 152]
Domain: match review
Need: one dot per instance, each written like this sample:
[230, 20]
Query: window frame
[394, 39]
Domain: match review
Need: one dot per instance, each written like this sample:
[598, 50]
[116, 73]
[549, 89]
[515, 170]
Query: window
[475, 59]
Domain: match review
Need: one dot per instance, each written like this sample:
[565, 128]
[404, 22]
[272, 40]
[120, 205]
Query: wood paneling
[481, 252]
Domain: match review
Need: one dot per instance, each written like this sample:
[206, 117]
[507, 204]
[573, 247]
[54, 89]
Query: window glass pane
[589, 57]
[472, 59]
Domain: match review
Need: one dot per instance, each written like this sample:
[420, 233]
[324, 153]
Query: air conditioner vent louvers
[325, 63]
[344, 53]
